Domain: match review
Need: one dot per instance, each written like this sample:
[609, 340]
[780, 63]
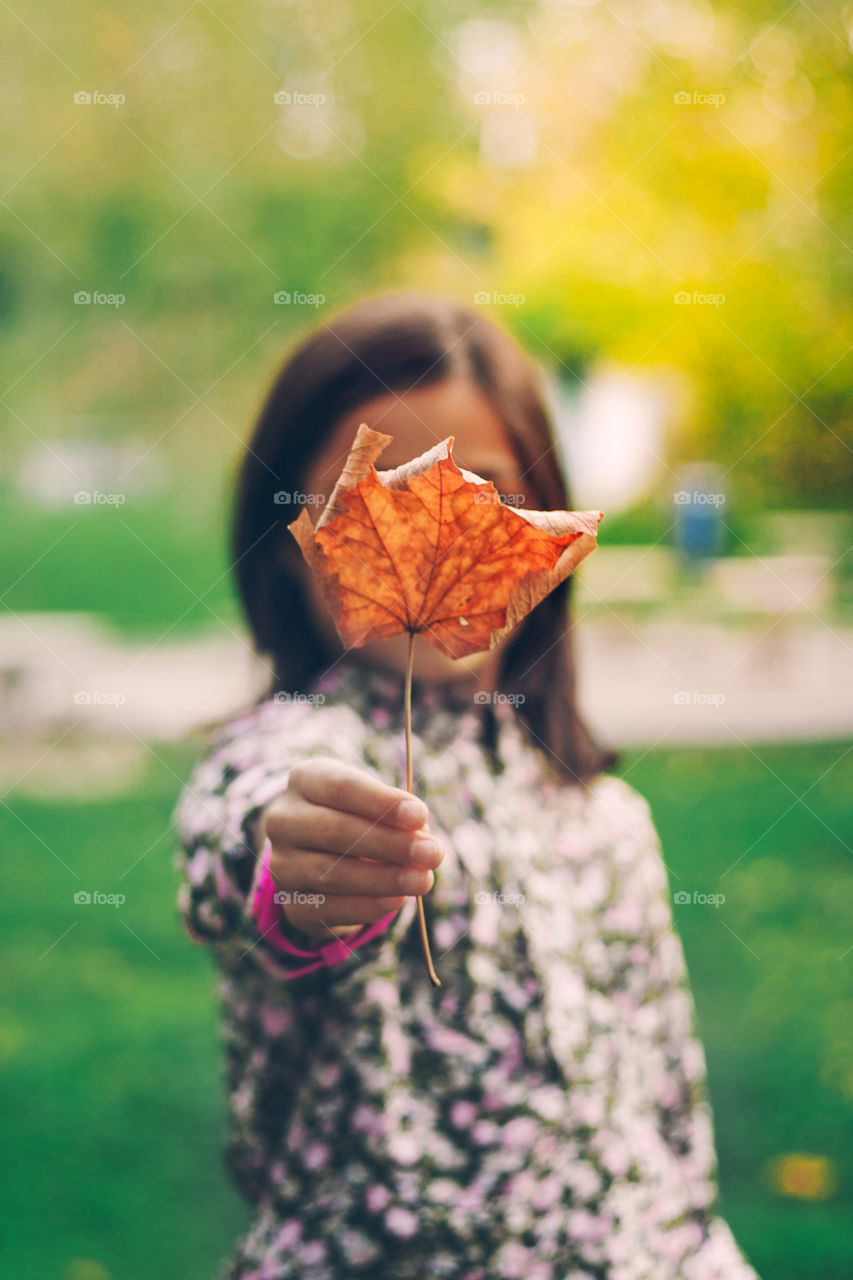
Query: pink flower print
[275, 1021]
[586, 1227]
[573, 847]
[366, 1120]
[224, 887]
[614, 1154]
[462, 1114]
[548, 1101]
[513, 1261]
[471, 1198]
[485, 1132]
[625, 917]
[382, 992]
[377, 1197]
[401, 1222]
[288, 1234]
[296, 1137]
[547, 1194]
[519, 1133]
[443, 1190]
[584, 1180]
[316, 1156]
[588, 1108]
[198, 866]
[404, 1147]
[693, 1060]
[312, 1252]
[356, 1246]
[446, 1040]
[328, 1076]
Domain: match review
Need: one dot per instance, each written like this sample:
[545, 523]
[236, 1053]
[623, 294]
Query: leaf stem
[433, 976]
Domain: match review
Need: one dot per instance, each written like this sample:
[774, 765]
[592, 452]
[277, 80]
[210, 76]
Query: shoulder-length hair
[395, 343]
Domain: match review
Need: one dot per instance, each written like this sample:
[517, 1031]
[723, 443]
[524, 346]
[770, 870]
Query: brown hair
[396, 342]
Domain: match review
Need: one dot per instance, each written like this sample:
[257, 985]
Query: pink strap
[265, 912]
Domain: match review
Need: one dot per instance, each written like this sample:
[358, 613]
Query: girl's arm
[334, 841]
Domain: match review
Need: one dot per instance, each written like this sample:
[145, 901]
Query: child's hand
[340, 832]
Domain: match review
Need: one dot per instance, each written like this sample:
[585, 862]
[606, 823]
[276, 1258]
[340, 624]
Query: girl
[543, 1114]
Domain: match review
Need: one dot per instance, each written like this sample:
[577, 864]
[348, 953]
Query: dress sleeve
[223, 898]
[656, 991]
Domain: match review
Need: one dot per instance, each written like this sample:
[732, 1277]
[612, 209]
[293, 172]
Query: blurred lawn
[112, 1168]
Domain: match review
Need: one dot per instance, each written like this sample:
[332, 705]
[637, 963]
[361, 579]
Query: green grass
[108, 1028]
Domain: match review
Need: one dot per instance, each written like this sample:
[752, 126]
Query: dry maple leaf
[431, 550]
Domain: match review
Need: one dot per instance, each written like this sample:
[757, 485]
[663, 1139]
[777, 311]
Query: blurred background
[654, 196]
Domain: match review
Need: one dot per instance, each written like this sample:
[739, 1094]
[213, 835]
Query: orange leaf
[430, 549]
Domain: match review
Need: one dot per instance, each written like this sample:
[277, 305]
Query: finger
[341, 786]
[340, 910]
[307, 870]
[303, 824]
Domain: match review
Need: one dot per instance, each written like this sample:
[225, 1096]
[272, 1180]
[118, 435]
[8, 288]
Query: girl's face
[417, 420]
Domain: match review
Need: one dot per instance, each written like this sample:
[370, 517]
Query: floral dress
[543, 1114]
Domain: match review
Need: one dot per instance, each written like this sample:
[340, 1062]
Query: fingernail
[425, 853]
[412, 813]
[416, 882]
